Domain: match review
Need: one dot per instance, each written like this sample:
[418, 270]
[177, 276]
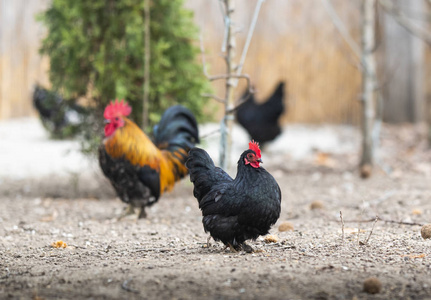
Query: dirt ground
[165, 256]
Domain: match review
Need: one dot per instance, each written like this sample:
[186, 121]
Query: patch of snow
[27, 152]
[299, 141]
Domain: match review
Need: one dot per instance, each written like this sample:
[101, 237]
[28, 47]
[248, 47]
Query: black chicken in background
[261, 120]
[63, 118]
[235, 210]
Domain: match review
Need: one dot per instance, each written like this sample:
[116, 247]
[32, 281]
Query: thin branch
[341, 28]
[217, 98]
[222, 10]
[204, 136]
[403, 20]
[241, 100]
[147, 59]
[218, 77]
[249, 36]
[204, 65]
[227, 76]
[226, 21]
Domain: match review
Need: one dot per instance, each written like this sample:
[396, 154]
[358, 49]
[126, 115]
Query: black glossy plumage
[177, 129]
[261, 120]
[234, 210]
[134, 185]
[61, 117]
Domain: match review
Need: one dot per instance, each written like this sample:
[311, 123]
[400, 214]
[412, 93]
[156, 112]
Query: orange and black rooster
[235, 210]
[139, 170]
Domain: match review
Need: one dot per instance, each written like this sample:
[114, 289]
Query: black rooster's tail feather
[46, 102]
[275, 102]
[203, 173]
[177, 129]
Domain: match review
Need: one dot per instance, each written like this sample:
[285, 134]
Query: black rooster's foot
[247, 248]
[142, 213]
[208, 242]
[232, 248]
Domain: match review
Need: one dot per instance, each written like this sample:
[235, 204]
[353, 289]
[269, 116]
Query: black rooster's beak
[259, 160]
[107, 121]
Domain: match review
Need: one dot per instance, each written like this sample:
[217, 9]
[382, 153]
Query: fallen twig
[359, 231]
[386, 221]
[342, 227]
[163, 250]
[372, 228]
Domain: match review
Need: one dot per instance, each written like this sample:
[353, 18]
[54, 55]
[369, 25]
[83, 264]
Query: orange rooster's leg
[127, 212]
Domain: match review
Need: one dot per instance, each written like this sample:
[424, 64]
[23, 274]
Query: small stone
[366, 171]
[271, 239]
[426, 231]
[372, 285]
[416, 212]
[316, 205]
[285, 226]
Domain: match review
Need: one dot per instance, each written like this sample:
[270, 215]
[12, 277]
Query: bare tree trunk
[147, 56]
[368, 87]
[227, 121]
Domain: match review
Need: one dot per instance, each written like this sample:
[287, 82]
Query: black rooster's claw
[247, 248]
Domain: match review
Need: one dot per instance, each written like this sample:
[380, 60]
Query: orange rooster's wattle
[139, 169]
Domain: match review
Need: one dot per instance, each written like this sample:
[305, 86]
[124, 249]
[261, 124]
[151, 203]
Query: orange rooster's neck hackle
[132, 144]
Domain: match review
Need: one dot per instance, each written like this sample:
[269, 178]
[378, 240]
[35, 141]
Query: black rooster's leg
[208, 242]
[232, 248]
[127, 212]
[142, 213]
[247, 248]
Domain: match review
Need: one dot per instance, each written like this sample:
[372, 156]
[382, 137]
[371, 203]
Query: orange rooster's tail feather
[176, 134]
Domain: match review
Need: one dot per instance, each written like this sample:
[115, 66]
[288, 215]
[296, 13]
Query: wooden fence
[294, 41]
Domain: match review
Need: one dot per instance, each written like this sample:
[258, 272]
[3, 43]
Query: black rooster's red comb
[116, 109]
[255, 147]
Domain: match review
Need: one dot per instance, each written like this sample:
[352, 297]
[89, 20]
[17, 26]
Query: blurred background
[294, 41]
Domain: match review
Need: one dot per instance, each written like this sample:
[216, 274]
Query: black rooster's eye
[249, 156]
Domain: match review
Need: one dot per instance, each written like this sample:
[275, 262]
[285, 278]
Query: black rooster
[235, 210]
[61, 117]
[261, 120]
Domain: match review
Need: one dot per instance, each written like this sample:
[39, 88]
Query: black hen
[261, 120]
[235, 210]
[61, 117]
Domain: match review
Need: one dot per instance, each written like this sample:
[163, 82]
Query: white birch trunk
[368, 87]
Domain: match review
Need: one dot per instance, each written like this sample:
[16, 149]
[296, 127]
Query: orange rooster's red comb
[117, 109]
[255, 147]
